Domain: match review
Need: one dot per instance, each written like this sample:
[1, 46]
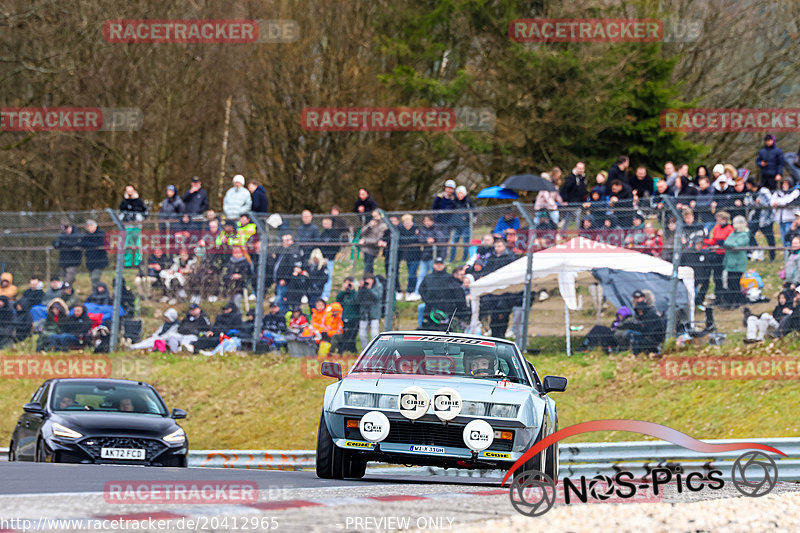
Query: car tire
[551, 466]
[11, 454]
[353, 466]
[41, 456]
[329, 456]
[537, 462]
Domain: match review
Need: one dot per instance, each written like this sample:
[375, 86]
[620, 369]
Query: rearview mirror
[554, 384]
[178, 413]
[331, 369]
[33, 407]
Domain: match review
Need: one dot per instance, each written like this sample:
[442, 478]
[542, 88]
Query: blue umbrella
[498, 192]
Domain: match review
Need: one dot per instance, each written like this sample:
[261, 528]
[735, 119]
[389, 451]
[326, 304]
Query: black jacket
[642, 187]
[614, 173]
[31, 297]
[369, 204]
[78, 326]
[22, 323]
[69, 246]
[408, 238]
[334, 236]
[99, 298]
[260, 203]
[275, 323]
[195, 202]
[94, 245]
[191, 325]
[225, 322]
[132, 209]
[651, 326]
[285, 259]
[6, 318]
[440, 290]
[573, 190]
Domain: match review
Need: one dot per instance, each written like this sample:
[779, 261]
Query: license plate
[427, 449]
[131, 454]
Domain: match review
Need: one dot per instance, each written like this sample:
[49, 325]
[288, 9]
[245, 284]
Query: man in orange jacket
[326, 322]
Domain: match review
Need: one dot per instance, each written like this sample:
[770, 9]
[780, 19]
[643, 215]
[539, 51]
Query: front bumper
[86, 450]
[430, 442]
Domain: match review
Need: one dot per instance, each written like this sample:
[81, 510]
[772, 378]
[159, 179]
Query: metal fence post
[117, 280]
[261, 275]
[392, 274]
[676, 261]
[526, 294]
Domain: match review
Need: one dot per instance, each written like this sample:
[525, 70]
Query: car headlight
[503, 410]
[387, 401]
[358, 399]
[473, 408]
[176, 436]
[65, 432]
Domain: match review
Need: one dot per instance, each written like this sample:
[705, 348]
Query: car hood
[96, 423]
[470, 389]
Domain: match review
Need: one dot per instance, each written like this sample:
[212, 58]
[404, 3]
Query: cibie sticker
[478, 435]
[374, 426]
[413, 402]
[356, 444]
[446, 403]
[497, 455]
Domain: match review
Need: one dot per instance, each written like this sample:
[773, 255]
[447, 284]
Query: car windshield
[442, 355]
[107, 397]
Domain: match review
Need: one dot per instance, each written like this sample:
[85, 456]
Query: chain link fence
[128, 272]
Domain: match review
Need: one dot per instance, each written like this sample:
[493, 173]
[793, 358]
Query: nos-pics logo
[413, 402]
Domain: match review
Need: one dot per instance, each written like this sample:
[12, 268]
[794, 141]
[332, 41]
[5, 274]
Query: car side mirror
[554, 384]
[34, 408]
[331, 369]
[178, 413]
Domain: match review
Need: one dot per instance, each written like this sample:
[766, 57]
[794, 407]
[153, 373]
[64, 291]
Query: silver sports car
[439, 399]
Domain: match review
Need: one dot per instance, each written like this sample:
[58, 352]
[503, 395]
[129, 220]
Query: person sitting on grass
[602, 336]
[647, 333]
[53, 325]
[22, 322]
[758, 327]
[163, 334]
[6, 322]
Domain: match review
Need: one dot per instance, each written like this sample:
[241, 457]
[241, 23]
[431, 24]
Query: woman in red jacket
[714, 243]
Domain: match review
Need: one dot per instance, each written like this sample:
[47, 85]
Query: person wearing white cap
[784, 215]
[238, 200]
[445, 201]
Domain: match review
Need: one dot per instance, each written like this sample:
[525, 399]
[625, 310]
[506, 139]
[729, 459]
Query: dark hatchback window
[105, 398]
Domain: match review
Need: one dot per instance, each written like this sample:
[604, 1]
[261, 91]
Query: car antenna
[451, 321]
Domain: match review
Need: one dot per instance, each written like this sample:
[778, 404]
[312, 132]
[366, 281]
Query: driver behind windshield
[66, 402]
[481, 365]
[126, 405]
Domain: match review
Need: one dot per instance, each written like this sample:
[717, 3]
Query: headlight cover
[176, 436]
[503, 410]
[65, 432]
[387, 401]
[359, 399]
[473, 408]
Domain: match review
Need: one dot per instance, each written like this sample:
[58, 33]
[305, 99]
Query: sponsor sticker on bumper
[427, 449]
[357, 444]
[497, 455]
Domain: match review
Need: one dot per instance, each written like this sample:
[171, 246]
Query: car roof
[110, 381]
[445, 334]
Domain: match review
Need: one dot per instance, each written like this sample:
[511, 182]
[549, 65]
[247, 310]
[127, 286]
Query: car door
[29, 425]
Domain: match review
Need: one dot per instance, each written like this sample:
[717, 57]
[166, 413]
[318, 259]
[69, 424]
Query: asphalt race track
[299, 501]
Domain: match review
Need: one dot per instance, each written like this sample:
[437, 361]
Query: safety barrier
[576, 459]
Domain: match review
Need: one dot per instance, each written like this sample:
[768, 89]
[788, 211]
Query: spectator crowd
[205, 257]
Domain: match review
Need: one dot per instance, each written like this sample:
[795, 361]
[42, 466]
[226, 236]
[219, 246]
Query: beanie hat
[238, 178]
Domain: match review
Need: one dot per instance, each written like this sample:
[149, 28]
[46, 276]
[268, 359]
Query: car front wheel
[41, 455]
[12, 456]
[332, 461]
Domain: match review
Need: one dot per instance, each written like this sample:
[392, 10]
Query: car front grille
[152, 447]
[402, 432]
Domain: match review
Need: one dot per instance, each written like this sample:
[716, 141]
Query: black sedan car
[108, 421]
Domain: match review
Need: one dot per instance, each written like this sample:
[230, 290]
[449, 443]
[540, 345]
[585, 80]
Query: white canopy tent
[566, 261]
